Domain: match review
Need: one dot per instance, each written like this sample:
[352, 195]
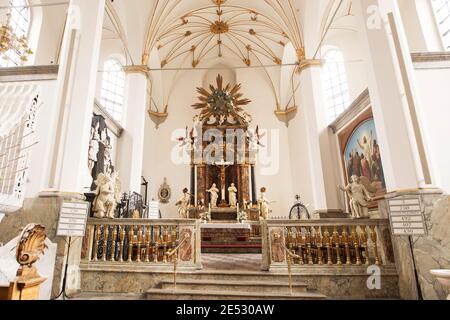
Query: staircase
[233, 286]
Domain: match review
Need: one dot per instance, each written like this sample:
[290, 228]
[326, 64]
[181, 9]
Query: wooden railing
[136, 241]
[334, 242]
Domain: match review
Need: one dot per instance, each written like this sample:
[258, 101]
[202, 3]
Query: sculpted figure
[214, 195]
[105, 202]
[183, 204]
[359, 196]
[93, 148]
[232, 190]
[263, 202]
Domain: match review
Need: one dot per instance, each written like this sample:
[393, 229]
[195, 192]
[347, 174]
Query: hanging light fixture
[10, 41]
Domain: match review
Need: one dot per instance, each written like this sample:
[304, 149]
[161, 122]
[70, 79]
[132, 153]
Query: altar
[223, 146]
[223, 237]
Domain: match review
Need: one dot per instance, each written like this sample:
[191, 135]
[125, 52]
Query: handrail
[174, 253]
[289, 256]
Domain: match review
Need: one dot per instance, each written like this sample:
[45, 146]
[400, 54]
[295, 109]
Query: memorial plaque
[406, 217]
[153, 210]
[72, 219]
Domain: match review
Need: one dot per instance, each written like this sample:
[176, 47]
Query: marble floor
[244, 262]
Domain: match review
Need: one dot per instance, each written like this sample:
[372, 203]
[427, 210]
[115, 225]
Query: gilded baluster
[139, 244]
[156, 246]
[149, 244]
[302, 242]
[309, 248]
[113, 244]
[164, 252]
[365, 244]
[319, 246]
[97, 241]
[105, 241]
[346, 241]
[356, 244]
[337, 242]
[373, 236]
[328, 242]
[122, 242]
[130, 244]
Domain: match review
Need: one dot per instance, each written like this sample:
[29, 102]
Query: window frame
[109, 95]
[15, 61]
[335, 84]
[445, 46]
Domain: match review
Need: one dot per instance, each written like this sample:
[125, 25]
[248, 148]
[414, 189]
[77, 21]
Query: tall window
[335, 84]
[19, 21]
[441, 10]
[113, 87]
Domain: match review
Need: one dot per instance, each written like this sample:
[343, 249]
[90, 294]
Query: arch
[113, 88]
[335, 83]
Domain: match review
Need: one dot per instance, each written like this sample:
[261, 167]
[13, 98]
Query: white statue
[214, 195]
[184, 204]
[93, 148]
[232, 190]
[107, 195]
[263, 202]
[359, 196]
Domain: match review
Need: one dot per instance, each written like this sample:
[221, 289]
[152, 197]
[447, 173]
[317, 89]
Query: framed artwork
[361, 155]
[164, 192]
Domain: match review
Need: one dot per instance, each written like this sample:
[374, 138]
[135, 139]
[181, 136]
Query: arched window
[113, 87]
[19, 21]
[441, 10]
[335, 84]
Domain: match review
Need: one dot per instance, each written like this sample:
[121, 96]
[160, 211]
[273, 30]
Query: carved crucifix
[223, 165]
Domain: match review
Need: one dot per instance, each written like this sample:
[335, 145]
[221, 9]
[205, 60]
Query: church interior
[224, 149]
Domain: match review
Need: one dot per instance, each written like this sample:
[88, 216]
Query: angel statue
[184, 204]
[106, 196]
[214, 195]
[359, 197]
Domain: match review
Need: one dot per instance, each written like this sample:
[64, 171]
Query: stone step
[235, 286]
[185, 294]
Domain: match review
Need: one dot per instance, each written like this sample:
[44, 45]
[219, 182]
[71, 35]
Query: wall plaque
[406, 216]
[72, 219]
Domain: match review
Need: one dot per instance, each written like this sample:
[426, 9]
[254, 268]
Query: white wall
[434, 115]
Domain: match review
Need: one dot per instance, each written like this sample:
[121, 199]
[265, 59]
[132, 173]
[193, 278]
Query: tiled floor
[247, 262]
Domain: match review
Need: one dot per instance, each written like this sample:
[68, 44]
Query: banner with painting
[362, 157]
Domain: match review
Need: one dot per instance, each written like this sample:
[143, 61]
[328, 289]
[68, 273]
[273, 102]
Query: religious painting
[277, 245]
[362, 157]
[186, 248]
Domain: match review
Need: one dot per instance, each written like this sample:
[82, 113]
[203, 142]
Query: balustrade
[339, 242]
[140, 241]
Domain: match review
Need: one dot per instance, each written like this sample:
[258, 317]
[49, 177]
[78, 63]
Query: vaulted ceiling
[171, 35]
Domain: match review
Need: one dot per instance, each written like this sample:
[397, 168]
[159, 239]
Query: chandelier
[10, 41]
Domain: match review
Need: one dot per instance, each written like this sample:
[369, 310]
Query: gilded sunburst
[222, 103]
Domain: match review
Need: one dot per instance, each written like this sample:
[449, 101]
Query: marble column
[75, 94]
[131, 145]
[253, 181]
[68, 175]
[389, 75]
[315, 120]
